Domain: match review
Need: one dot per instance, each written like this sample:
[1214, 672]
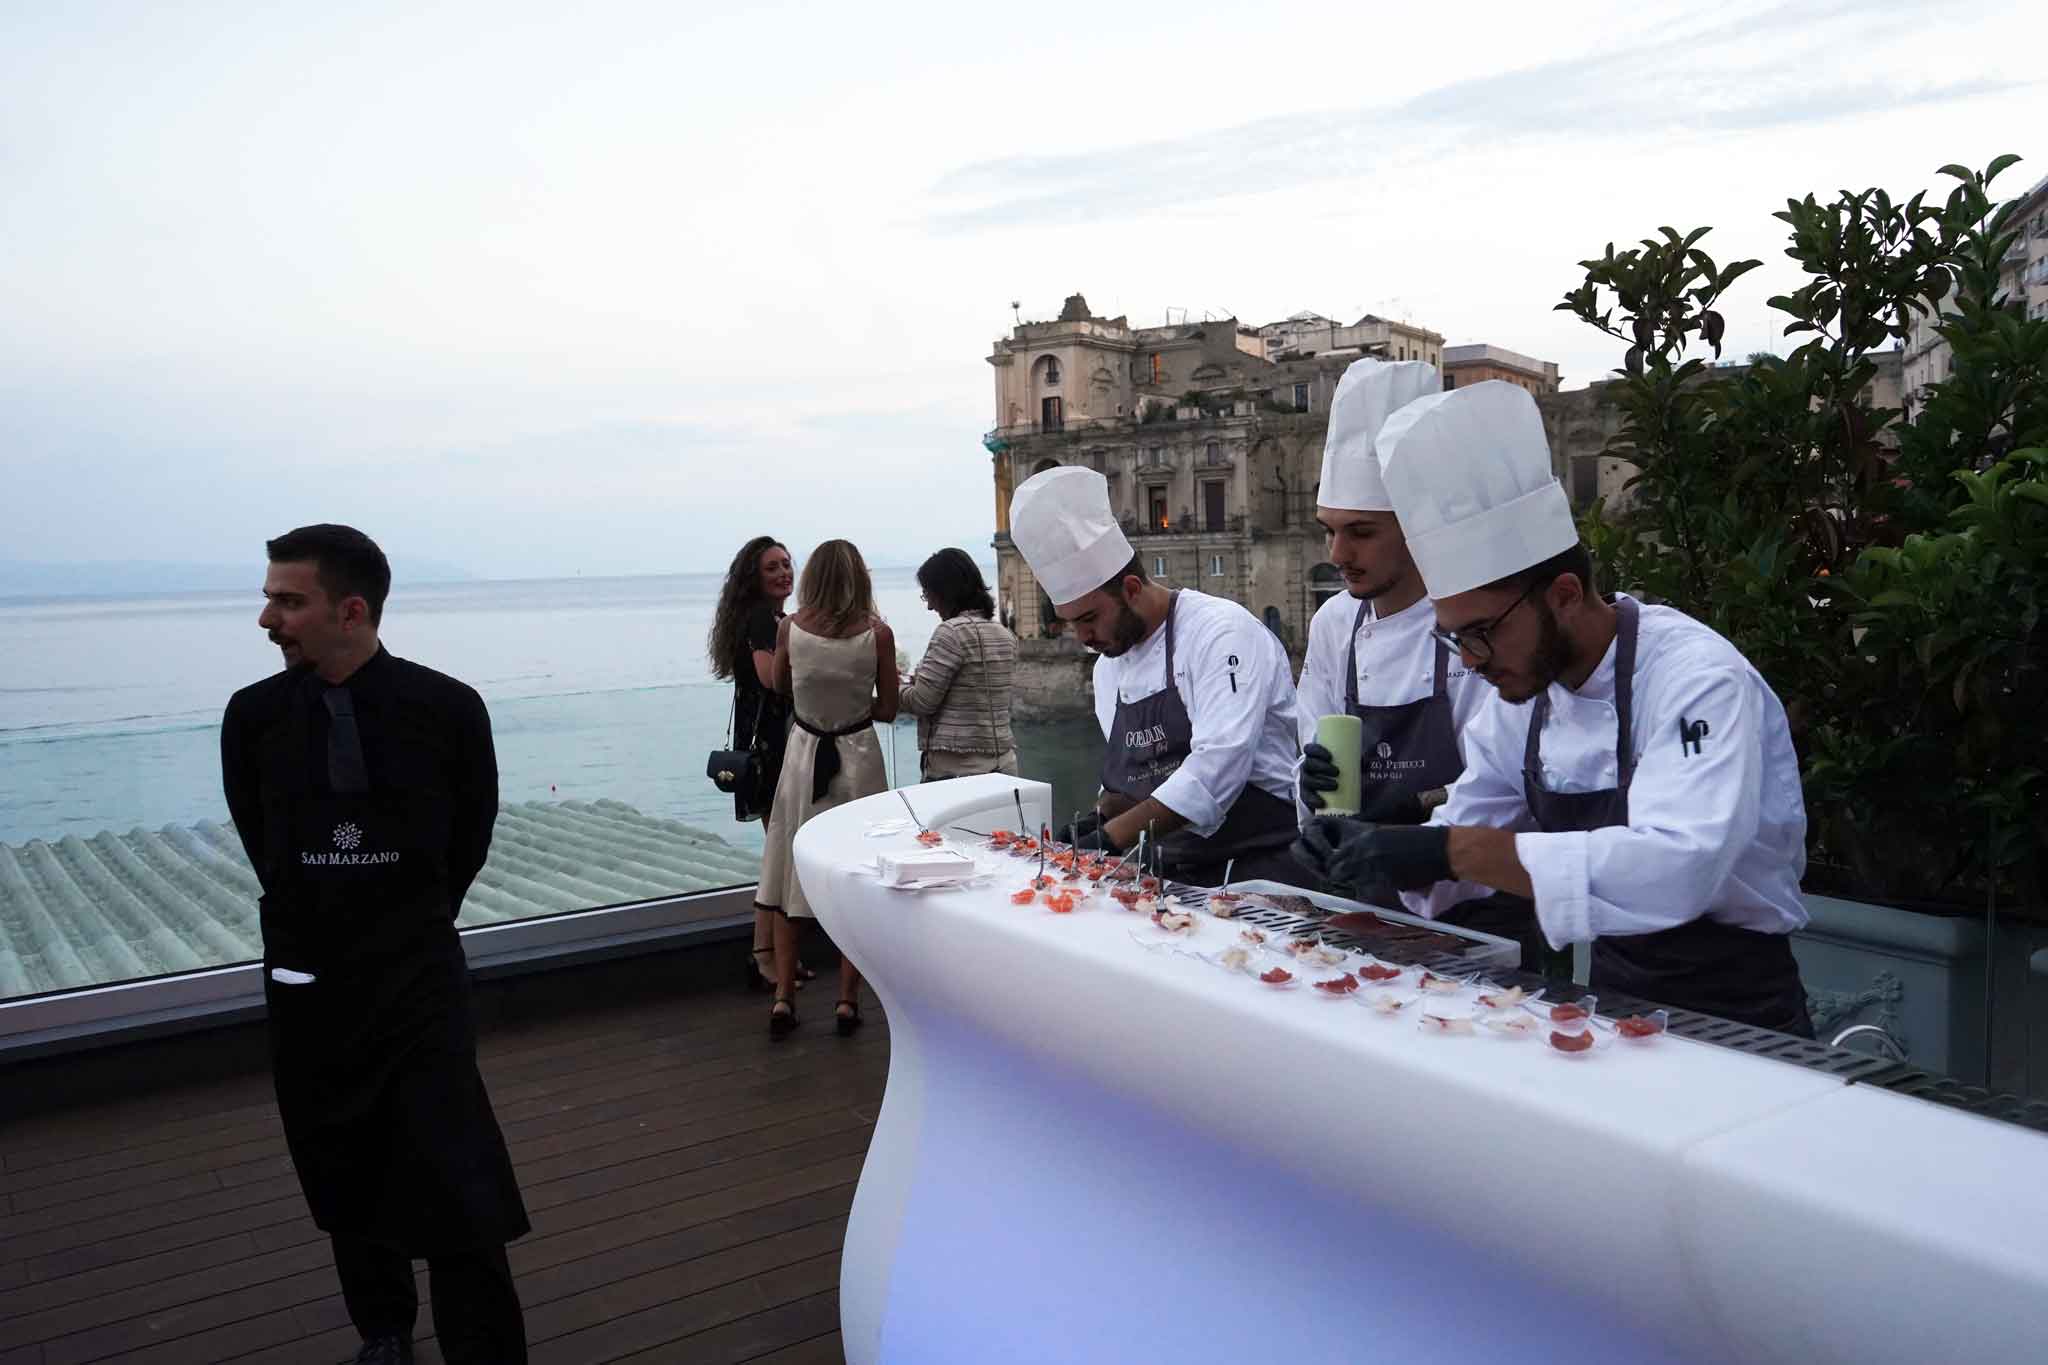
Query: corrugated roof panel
[115, 907]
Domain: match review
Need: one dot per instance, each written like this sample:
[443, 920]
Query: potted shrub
[1884, 577]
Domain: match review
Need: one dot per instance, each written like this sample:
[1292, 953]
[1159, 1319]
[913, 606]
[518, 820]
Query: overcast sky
[540, 289]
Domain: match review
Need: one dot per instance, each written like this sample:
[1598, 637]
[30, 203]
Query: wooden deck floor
[688, 1180]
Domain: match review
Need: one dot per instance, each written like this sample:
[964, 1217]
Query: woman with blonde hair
[836, 660]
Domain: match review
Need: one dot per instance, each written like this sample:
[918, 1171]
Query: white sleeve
[1489, 793]
[1231, 680]
[1321, 691]
[1693, 807]
[1103, 680]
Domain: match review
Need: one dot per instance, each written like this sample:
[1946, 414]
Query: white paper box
[923, 865]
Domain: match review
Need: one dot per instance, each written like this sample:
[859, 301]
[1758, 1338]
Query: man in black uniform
[364, 789]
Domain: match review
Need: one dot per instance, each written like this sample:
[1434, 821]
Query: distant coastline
[26, 581]
[159, 578]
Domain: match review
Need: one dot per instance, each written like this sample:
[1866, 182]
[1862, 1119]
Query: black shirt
[401, 707]
[749, 697]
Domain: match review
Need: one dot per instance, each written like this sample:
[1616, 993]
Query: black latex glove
[1090, 832]
[1318, 775]
[1322, 837]
[1354, 853]
[1404, 809]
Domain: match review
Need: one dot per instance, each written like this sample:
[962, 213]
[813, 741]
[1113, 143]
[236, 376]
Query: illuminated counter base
[1089, 1152]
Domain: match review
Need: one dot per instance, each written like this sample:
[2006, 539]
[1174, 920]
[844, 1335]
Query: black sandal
[781, 1018]
[846, 1024]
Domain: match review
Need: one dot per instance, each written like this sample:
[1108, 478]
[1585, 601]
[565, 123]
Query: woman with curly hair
[742, 649]
[836, 661]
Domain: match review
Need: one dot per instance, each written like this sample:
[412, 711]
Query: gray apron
[1703, 965]
[1406, 749]
[1148, 741]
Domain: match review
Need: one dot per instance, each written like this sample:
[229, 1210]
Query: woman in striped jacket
[960, 692]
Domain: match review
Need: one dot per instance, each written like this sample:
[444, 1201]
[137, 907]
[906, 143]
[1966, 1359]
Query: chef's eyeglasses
[1477, 640]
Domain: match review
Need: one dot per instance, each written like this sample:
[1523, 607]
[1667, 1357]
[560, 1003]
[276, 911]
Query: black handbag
[742, 772]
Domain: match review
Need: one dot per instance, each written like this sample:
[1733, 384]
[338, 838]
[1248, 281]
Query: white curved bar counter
[1094, 1152]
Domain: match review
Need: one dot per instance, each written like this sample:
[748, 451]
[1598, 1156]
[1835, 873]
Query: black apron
[1148, 741]
[1703, 965]
[386, 1117]
[1406, 749]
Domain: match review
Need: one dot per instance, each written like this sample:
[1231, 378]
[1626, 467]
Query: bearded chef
[1633, 774]
[1194, 695]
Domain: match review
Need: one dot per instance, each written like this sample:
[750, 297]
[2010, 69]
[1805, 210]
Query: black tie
[346, 771]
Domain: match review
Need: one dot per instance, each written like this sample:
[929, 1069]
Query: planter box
[1919, 977]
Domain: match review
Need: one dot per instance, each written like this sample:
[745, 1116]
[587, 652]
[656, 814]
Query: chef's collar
[1599, 685]
[1421, 605]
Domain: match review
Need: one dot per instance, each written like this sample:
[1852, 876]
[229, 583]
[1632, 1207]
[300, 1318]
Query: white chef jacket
[1396, 665]
[1716, 828]
[1233, 676]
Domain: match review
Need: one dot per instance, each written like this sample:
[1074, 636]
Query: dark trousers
[477, 1318]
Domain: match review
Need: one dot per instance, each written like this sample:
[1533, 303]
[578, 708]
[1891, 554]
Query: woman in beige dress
[836, 659]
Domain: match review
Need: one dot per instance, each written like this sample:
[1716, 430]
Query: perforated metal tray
[1498, 957]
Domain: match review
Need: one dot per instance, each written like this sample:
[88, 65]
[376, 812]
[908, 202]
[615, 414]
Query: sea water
[598, 688]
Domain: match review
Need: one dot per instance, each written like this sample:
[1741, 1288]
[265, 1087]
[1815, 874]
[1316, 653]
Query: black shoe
[848, 1022]
[385, 1351]
[781, 1018]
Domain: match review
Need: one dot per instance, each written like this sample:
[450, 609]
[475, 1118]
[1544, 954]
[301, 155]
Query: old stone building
[1581, 423]
[2023, 279]
[1212, 451]
[1475, 364]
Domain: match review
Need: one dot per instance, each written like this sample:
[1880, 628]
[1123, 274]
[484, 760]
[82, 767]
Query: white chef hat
[1063, 526]
[1469, 474]
[1366, 396]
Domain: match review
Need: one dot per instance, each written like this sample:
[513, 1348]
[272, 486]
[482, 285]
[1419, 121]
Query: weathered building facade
[1478, 363]
[1212, 454]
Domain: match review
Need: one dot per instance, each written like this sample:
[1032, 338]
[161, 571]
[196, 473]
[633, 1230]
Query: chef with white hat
[1634, 774]
[1194, 695]
[1370, 651]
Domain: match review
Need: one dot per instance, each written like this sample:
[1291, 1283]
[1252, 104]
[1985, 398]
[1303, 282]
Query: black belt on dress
[826, 766]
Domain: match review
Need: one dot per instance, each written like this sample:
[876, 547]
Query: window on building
[1450, 381]
[1212, 453]
[1052, 415]
[1301, 398]
[1158, 455]
[1212, 506]
[1215, 566]
[1052, 370]
[1159, 566]
[1155, 500]
[1158, 369]
[1324, 582]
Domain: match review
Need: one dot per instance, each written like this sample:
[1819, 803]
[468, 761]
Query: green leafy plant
[1885, 576]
